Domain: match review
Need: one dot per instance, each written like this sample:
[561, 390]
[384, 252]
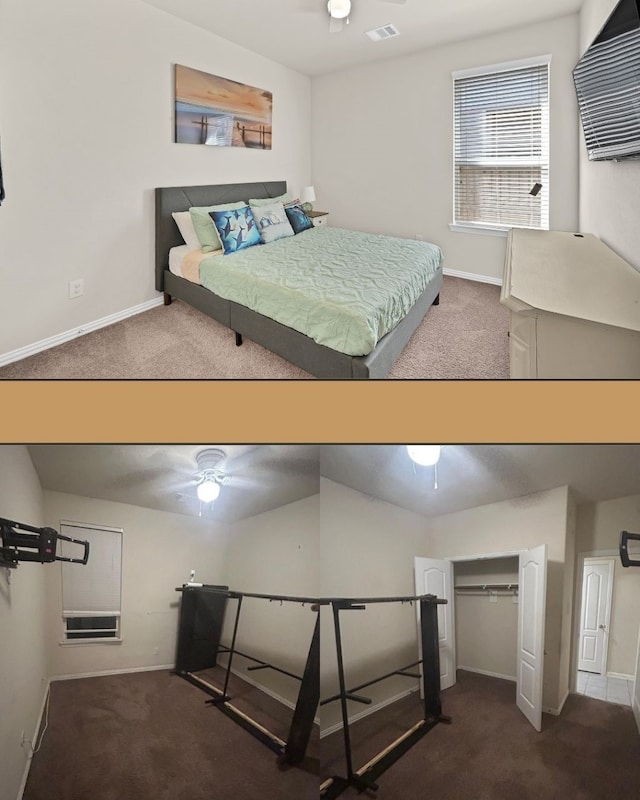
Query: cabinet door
[522, 346]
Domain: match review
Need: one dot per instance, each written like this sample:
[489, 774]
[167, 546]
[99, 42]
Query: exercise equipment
[22, 542]
[625, 538]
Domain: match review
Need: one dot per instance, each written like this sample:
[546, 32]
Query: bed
[297, 347]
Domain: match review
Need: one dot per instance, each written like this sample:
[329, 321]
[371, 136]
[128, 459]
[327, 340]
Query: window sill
[483, 230]
[82, 642]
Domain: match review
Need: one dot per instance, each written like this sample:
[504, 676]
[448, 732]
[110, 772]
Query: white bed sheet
[176, 254]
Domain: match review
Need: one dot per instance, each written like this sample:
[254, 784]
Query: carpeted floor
[491, 752]
[464, 337]
[150, 736]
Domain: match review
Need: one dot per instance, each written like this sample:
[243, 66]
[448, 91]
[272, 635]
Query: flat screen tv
[607, 80]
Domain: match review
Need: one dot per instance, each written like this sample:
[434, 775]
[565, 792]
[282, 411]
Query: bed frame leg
[238, 339]
[436, 302]
[167, 299]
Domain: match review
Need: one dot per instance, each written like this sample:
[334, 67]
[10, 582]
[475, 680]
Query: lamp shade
[307, 194]
[339, 9]
[208, 490]
[426, 455]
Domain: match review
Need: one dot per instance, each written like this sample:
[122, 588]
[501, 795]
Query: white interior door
[595, 613]
[436, 577]
[531, 610]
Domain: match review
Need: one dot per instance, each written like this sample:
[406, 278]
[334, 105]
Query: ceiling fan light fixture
[339, 9]
[208, 489]
[426, 455]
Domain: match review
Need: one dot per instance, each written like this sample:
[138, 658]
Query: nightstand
[318, 218]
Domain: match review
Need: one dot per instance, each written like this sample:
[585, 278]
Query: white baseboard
[471, 276]
[621, 675]
[490, 674]
[67, 336]
[27, 766]
[556, 711]
[126, 671]
[371, 710]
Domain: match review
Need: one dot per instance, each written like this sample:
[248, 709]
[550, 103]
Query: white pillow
[185, 226]
[272, 222]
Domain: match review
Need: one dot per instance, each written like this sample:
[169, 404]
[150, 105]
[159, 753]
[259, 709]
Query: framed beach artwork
[220, 112]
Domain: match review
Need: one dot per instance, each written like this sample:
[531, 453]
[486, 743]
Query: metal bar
[323, 601]
[233, 642]
[261, 664]
[400, 671]
[343, 690]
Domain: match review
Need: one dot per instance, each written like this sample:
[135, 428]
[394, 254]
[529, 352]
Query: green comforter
[344, 289]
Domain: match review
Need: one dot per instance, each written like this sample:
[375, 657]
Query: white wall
[598, 531]
[23, 669]
[609, 192]
[159, 550]
[367, 550]
[636, 688]
[275, 553]
[383, 141]
[86, 122]
[521, 523]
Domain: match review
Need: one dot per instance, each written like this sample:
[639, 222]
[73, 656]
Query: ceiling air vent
[385, 32]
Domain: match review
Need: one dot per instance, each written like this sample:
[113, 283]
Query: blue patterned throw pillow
[298, 219]
[237, 229]
[272, 222]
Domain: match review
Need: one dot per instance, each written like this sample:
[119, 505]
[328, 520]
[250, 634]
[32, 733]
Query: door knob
[602, 627]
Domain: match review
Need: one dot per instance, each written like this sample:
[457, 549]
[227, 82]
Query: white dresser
[574, 307]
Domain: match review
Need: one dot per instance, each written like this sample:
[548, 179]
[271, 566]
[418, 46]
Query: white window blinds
[94, 589]
[502, 146]
[607, 82]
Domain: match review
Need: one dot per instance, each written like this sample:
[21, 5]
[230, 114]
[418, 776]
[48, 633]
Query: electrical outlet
[76, 288]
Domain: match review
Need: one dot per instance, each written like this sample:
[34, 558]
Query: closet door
[531, 610]
[436, 577]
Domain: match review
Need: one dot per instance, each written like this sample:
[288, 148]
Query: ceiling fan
[340, 12]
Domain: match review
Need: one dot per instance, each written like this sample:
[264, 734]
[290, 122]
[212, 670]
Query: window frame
[76, 614]
[482, 228]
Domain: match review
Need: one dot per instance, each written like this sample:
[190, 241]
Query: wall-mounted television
[607, 80]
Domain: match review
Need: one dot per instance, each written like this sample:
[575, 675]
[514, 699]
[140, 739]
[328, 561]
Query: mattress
[185, 263]
[176, 255]
[344, 289]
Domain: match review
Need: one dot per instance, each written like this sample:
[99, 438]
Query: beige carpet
[464, 337]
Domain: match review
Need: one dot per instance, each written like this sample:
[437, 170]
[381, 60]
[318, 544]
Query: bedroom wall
[367, 550]
[609, 191]
[23, 668]
[519, 524]
[86, 125]
[275, 553]
[598, 531]
[159, 550]
[383, 141]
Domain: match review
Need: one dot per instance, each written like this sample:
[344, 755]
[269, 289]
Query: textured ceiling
[259, 477]
[264, 477]
[296, 32]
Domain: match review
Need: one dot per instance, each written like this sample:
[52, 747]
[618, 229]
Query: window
[91, 594]
[501, 118]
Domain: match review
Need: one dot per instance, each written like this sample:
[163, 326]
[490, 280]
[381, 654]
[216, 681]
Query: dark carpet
[150, 735]
[464, 337]
[491, 752]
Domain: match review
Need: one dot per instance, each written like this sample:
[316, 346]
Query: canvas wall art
[219, 112]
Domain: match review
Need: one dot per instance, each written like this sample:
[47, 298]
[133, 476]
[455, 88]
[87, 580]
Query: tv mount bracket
[625, 537]
[21, 542]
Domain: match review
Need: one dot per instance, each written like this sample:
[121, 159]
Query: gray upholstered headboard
[181, 198]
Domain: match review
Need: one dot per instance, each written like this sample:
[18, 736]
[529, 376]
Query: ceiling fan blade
[335, 25]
